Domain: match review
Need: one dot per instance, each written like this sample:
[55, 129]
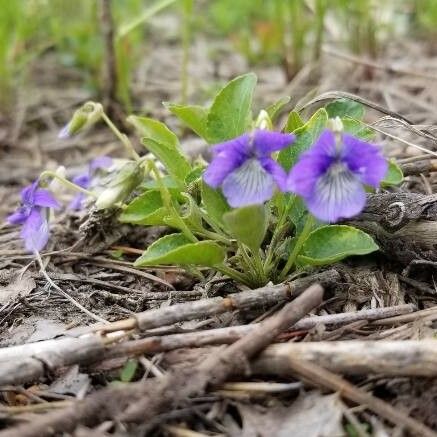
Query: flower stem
[122, 137]
[66, 182]
[277, 233]
[309, 223]
[168, 203]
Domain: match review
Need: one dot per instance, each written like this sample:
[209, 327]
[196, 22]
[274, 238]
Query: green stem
[298, 246]
[279, 229]
[66, 182]
[262, 276]
[213, 236]
[168, 203]
[233, 274]
[122, 137]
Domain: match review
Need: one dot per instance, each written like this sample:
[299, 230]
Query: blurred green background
[288, 33]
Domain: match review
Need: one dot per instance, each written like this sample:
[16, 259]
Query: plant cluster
[266, 205]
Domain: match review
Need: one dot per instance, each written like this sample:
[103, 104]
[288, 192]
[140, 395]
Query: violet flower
[33, 216]
[84, 180]
[244, 169]
[331, 175]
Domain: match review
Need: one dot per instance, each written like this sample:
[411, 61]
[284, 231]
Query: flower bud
[83, 118]
[263, 121]
[336, 125]
[126, 180]
[55, 185]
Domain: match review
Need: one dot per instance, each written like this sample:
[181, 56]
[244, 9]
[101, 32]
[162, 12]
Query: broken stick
[140, 402]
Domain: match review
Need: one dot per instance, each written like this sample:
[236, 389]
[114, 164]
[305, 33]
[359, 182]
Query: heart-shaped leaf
[214, 203]
[191, 115]
[394, 175]
[332, 243]
[294, 121]
[146, 209]
[345, 108]
[179, 250]
[305, 137]
[247, 225]
[230, 112]
[164, 144]
[273, 109]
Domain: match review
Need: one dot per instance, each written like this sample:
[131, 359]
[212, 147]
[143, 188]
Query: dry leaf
[21, 286]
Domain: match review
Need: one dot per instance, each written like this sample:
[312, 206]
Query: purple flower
[331, 175]
[244, 169]
[84, 180]
[32, 215]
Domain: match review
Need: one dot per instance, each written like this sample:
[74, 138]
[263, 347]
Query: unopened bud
[264, 121]
[83, 118]
[55, 185]
[335, 124]
[126, 180]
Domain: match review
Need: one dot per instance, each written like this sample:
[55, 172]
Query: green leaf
[294, 121]
[305, 137]
[194, 175]
[332, 243]
[192, 115]
[345, 108]
[394, 175]
[230, 112]
[356, 128]
[248, 225]
[214, 203]
[274, 108]
[129, 369]
[164, 144]
[178, 249]
[146, 209]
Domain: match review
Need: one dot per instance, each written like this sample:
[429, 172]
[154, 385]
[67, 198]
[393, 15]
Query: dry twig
[139, 402]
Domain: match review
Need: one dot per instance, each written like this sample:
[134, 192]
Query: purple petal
[100, 162]
[325, 145]
[19, 216]
[83, 180]
[64, 132]
[303, 177]
[337, 194]
[276, 171]
[365, 160]
[239, 144]
[35, 231]
[249, 184]
[28, 193]
[227, 158]
[267, 142]
[77, 203]
[45, 198]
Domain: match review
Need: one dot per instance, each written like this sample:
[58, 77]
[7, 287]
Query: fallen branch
[29, 362]
[140, 402]
[354, 357]
[404, 224]
[263, 297]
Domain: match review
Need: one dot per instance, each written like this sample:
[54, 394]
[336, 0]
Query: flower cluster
[330, 177]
